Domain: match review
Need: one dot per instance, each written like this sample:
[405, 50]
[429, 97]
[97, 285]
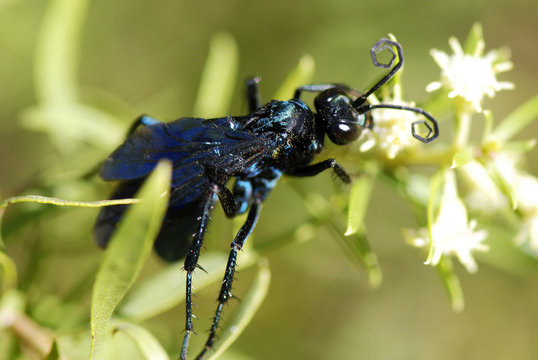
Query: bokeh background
[149, 56]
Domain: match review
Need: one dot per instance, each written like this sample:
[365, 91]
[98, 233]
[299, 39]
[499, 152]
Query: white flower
[452, 233]
[470, 76]
[391, 132]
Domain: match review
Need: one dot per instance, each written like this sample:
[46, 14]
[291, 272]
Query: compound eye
[343, 132]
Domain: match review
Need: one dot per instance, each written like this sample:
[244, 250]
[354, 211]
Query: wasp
[252, 151]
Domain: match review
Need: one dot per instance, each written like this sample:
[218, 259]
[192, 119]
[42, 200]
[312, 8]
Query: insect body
[281, 137]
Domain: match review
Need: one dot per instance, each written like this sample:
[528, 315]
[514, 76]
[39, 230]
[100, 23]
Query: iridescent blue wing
[193, 146]
[198, 149]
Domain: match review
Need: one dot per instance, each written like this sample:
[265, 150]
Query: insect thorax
[297, 133]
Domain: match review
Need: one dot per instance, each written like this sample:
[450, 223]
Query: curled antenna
[382, 45]
[433, 129]
[362, 106]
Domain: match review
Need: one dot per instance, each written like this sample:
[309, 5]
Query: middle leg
[191, 262]
[226, 288]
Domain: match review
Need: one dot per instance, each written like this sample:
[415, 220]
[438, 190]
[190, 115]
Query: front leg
[253, 94]
[315, 169]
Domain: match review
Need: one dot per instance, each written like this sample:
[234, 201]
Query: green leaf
[150, 348]
[462, 157]
[58, 112]
[417, 189]
[54, 353]
[219, 77]
[303, 233]
[302, 74]
[488, 125]
[358, 203]
[57, 51]
[473, 40]
[71, 125]
[436, 184]
[508, 250]
[166, 289]
[504, 185]
[128, 249]
[8, 270]
[249, 306]
[10, 345]
[314, 202]
[360, 247]
[59, 202]
[517, 120]
[451, 282]
[520, 146]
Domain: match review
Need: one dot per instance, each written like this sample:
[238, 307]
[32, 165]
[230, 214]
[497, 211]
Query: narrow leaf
[314, 202]
[150, 348]
[451, 282]
[435, 191]
[59, 202]
[2, 245]
[166, 289]
[249, 306]
[503, 184]
[128, 250]
[488, 125]
[462, 157]
[8, 271]
[475, 37]
[520, 146]
[71, 124]
[301, 75]
[361, 249]
[358, 203]
[54, 353]
[57, 51]
[518, 119]
[219, 77]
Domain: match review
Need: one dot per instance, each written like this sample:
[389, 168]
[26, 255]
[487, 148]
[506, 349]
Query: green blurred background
[150, 55]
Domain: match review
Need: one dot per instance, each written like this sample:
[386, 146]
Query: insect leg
[226, 288]
[227, 200]
[191, 262]
[141, 120]
[315, 169]
[253, 94]
[242, 191]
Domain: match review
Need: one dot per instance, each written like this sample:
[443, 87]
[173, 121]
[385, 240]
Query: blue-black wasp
[255, 150]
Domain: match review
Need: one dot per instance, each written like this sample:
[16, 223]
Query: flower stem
[463, 129]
